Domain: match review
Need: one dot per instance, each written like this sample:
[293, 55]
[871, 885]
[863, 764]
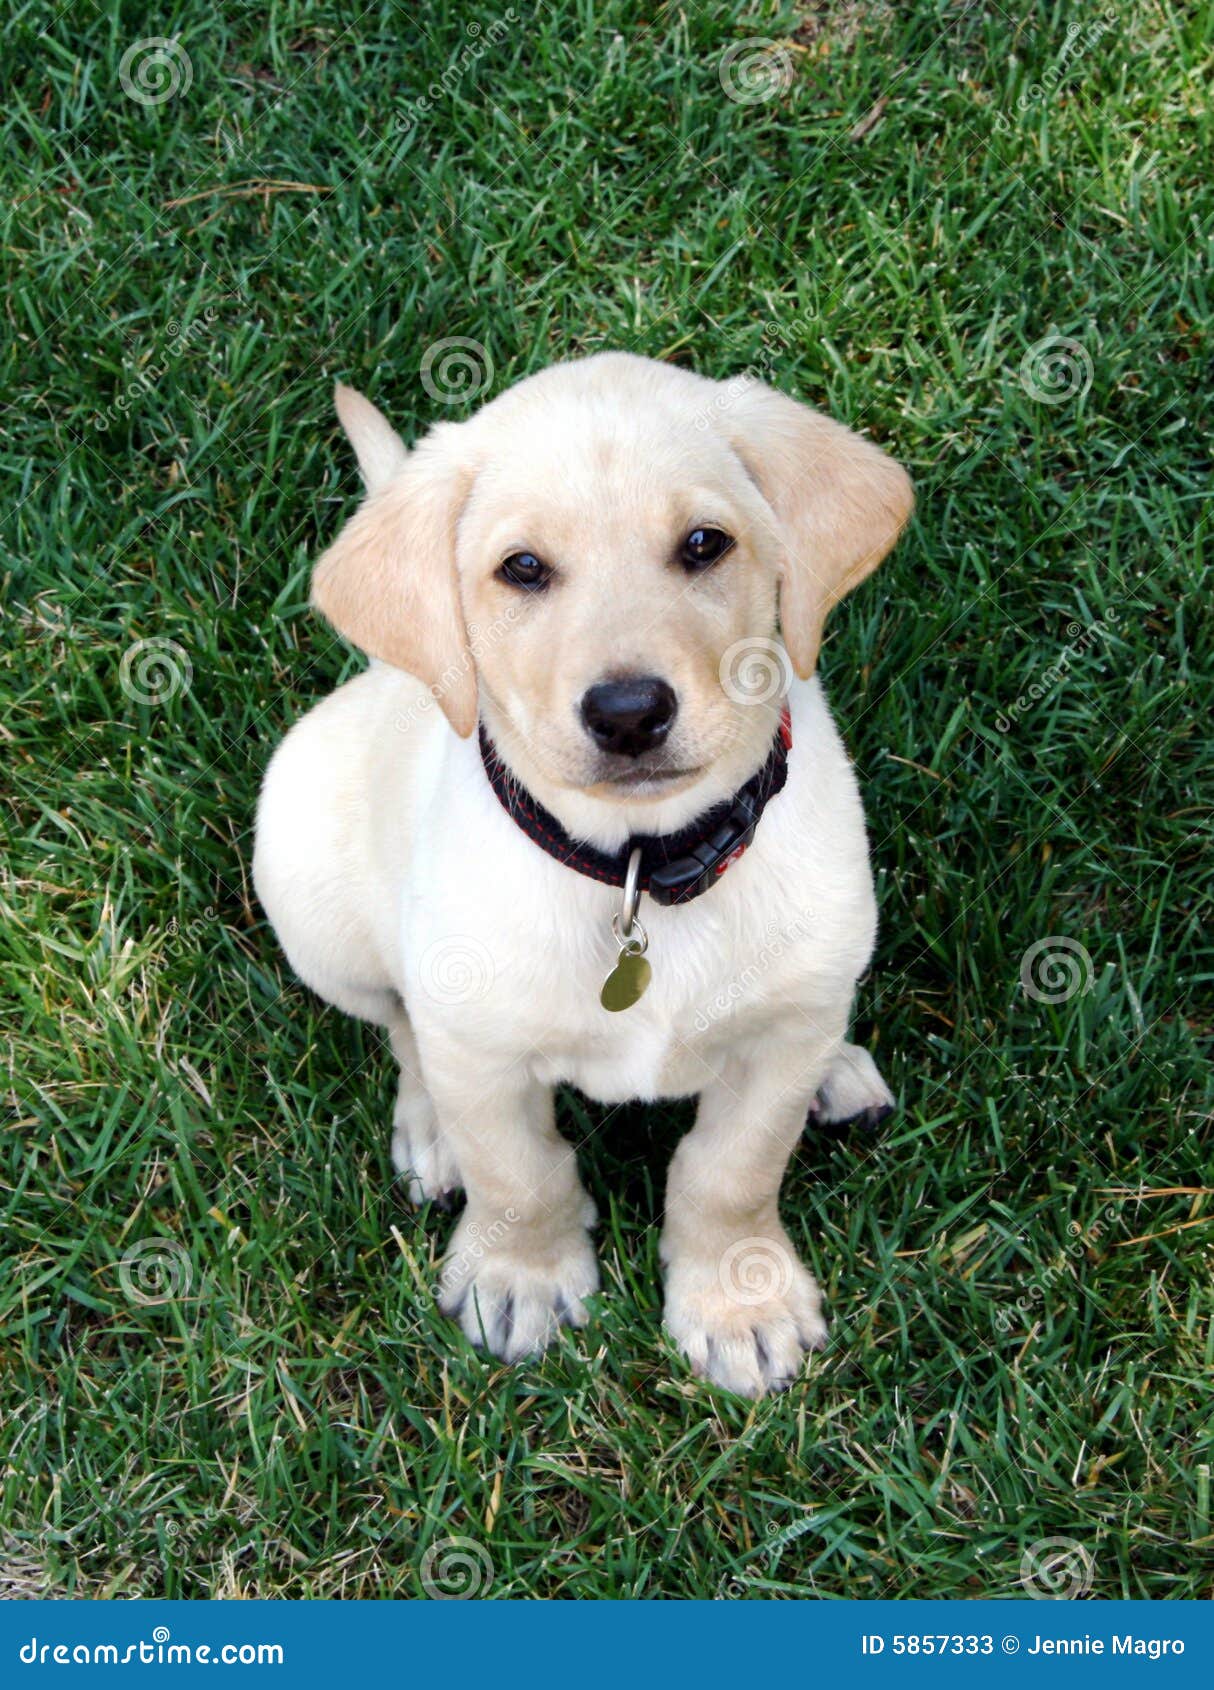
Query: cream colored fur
[402, 892]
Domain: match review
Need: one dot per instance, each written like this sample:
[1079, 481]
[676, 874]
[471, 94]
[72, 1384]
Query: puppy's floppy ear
[839, 500]
[388, 581]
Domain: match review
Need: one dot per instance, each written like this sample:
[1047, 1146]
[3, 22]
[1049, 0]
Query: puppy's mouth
[642, 782]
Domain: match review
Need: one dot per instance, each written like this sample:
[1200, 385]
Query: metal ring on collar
[623, 924]
[632, 892]
[635, 941]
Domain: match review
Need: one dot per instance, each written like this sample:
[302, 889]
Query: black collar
[675, 867]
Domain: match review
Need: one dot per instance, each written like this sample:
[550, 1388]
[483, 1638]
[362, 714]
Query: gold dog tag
[629, 979]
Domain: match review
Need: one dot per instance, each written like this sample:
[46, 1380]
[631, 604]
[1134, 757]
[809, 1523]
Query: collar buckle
[689, 876]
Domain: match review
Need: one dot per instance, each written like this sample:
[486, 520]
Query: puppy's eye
[703, 546]
[524, 569]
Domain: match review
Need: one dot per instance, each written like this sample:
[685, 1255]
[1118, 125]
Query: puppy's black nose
[631, 716]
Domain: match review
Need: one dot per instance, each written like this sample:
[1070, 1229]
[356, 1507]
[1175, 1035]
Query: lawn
[981, 234]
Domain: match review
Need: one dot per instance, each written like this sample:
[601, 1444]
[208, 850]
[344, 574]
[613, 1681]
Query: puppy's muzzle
[630, 716]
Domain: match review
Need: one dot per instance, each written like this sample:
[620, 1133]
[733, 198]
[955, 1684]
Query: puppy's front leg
[739, 1304]
[520, 1260]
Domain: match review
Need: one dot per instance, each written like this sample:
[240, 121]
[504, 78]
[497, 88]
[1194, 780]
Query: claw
[865, 1120]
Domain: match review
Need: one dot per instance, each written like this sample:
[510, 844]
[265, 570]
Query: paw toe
[515, 1326]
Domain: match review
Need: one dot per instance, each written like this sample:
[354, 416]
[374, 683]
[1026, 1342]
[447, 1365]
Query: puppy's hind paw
[422, 1158]
[852, 1092]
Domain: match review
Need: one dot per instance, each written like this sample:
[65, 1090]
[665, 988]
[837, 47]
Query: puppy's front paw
[511, 1287]
[745, 1318]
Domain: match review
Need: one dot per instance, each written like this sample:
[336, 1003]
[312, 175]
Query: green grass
[1019, 1270]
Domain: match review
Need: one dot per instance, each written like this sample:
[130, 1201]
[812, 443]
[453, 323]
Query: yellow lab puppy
[587, 818]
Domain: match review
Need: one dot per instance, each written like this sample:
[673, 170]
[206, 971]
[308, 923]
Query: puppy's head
[599, 559]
